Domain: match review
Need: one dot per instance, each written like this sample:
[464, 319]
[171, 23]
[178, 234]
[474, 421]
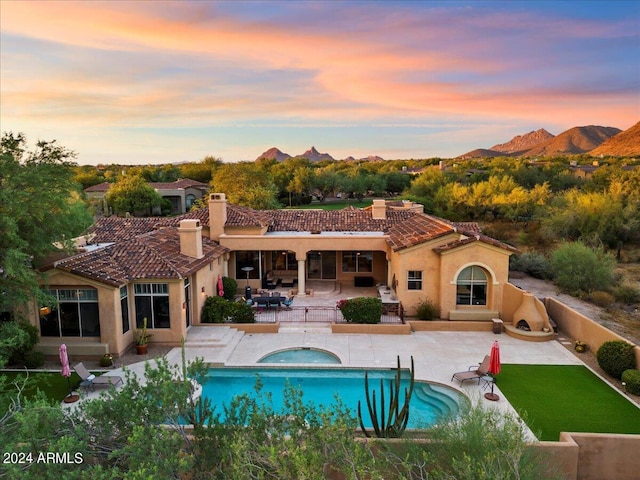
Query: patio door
[321, 265]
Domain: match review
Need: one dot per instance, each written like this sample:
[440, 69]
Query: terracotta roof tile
[475, 238]
[116, 229]
[416, 229]
[182, 183]
[100, 187]
[155, 255]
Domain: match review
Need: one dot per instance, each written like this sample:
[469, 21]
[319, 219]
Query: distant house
[182, 193]
[163, 269]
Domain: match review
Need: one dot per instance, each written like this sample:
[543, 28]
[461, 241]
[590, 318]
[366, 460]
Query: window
[76, 314]
[247, 258]
[357, 261]
[152, 303]
[414, 280]
[471, 287]
[283, 261]
[124, 309]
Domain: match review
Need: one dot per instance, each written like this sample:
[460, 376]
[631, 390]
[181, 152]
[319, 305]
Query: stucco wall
[108, 309]
[593, 456]
[111, 315]
[579, 327]
[494, 261]
[420, 257]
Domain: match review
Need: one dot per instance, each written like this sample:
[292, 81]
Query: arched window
[471, 287]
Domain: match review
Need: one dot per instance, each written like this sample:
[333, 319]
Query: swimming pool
[301, 355]
[320, 385]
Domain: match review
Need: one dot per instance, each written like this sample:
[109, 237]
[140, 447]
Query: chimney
[217, 215]
[379, 209]
[191, 238]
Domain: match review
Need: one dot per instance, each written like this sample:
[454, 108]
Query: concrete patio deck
[437, 355]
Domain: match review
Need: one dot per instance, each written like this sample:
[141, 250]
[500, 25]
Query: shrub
[361, 309]
[616, 356]
[602, 299]
[578, 268]
[626, 293]
[33, 359]
[219, 310]
[18, 339]
[214, 310]
[427, 310]
[240, 312]
[631, 378]
[230, 287]
[531, 263]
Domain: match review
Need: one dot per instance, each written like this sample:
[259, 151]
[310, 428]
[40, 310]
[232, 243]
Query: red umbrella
[494, 369]
[494, 360]
[64, 361]
[220, 287]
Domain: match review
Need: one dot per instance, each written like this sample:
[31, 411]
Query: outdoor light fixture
[247, 270]
[202, 290]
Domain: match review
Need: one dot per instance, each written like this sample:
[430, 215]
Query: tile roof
[475, 238]
[404, 227]
[154, 255]
[100, 187]
[150, 247]
[117, 229]
[416, 229]
[238, 216]
[182, 183]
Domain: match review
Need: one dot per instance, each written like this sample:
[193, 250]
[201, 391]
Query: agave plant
[388, 421]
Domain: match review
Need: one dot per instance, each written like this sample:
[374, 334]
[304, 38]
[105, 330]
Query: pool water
[301, 355]
[320, 385]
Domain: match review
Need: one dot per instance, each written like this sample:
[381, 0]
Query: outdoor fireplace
[523, 325]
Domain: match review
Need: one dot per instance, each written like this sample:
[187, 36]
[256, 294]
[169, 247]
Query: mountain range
[312, 155]
[592, 139]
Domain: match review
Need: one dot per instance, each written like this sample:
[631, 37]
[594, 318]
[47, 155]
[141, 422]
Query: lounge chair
[89, 380]
[476, 371]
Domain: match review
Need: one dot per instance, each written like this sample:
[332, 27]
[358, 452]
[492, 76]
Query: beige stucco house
[163, 269]
[182, 193]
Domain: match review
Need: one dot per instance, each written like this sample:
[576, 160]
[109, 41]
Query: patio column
[301, 276]
[389, 278]
[225, 265]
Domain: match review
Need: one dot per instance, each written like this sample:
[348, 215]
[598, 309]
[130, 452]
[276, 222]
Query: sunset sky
[161, 81]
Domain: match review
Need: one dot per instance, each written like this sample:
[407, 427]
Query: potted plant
[142, 338]
[580, 346]
[106, 360]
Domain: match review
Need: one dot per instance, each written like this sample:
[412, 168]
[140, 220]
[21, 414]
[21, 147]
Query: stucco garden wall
[579, 327]
[593, 456]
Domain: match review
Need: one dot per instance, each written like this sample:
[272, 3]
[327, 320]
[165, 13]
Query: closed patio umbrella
[66, 372]
[494, 369]
[220, 287]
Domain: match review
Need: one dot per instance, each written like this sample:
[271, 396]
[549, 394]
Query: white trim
[475, 264]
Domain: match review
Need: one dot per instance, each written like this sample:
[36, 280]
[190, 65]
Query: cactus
[390, 423]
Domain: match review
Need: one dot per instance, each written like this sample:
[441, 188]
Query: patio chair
[476, 371]
[287, 303]
[89, 380]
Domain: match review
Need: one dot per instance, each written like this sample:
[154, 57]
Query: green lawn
[53, 384]
[566, 398]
